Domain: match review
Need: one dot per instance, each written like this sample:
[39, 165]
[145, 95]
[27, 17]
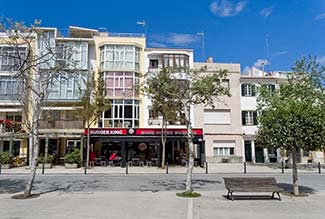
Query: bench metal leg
[231, 195]
[279, 197]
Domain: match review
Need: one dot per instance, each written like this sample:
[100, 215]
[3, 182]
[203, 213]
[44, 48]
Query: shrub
[73, 157]
[50, 159]
[6, 158]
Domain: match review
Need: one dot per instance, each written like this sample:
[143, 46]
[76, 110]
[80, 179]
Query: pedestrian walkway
[213, 168]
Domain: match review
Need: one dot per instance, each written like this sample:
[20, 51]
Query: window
[10, 88]
[11, 58]
[223, 148]
[248, 90]
[121, 84]
[175, 61]
[66, 86]
[153, 63]
[72, 55]
[216, 116]
[124, 57]
[123, 113]
[249, 117]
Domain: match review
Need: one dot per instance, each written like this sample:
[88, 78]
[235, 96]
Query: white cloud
[321, 60]
[227, 8]
[181, 39]
[157, 44]
[280, 53]
[260, 63]
[319, 17]
[176, 39]
[266, 12]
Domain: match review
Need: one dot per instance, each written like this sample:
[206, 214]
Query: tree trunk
[191, 150]
[163, 142]
[36, 110]
[88, 145]
[294, 171]
[46, 148]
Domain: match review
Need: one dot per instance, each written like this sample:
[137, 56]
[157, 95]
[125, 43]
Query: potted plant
[6, 160]
[49, 162]
[72, 159]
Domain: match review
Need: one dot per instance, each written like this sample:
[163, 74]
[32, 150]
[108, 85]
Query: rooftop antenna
[267, 52]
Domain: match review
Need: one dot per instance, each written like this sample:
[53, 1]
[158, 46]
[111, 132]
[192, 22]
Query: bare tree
[92, 105]
[33, 54]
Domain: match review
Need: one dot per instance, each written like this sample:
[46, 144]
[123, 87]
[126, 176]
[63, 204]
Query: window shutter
[255, 117]
[243, 89]
[253, 90]
[243, 114]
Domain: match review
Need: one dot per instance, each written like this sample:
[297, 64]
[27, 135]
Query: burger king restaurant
[142, 146]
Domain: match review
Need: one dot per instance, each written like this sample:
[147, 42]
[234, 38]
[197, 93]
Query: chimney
[210, 59]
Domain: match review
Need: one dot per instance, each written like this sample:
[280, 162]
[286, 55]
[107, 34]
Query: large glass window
[175, 61]
[123, 113]
[121, 84]
[45, 49]
[119, 57]
[72, 55]
[11, 59]
[66, 86]
[10, 88]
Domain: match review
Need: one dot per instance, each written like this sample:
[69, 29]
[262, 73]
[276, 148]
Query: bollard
[206, 167]
[282, 166]
[319, 170]
[245, 167]
[166, 167]
[127, 168]
[43, 165]
[85, 171]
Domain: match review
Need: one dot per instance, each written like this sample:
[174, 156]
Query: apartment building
[13, 138]
[179, 60]
[249, 82]
[221, 124]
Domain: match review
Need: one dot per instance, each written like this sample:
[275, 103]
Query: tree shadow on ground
[11, 186]
[288, 188]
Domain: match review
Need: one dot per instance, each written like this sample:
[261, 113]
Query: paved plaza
[104, 194]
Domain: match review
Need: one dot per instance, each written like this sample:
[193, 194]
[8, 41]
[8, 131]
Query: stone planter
[71, 165]
[6, 166]
[46, 166]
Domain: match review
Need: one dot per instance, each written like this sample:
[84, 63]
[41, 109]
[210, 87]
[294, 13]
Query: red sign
[107, 131]
[140, 132]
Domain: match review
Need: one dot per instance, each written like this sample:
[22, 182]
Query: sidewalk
[213, 168]
[149, 205]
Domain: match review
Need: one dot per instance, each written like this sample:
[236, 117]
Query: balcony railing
[158, 122]
[61, 124]
[6, 128]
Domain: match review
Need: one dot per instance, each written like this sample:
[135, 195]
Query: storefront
[144, 144]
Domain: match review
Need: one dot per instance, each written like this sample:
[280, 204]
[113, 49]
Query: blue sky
[235, 30]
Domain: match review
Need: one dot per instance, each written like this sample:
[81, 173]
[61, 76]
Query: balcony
[61, 124]
[7, 128]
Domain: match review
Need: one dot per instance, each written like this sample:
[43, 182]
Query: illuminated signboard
[140, 132]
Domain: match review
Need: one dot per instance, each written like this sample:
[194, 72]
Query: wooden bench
[251, 184]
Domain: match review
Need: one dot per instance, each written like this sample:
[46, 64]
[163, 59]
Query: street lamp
[144, 25]
[202, 35]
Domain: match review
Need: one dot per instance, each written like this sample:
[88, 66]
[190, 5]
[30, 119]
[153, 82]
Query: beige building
[221, 125]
